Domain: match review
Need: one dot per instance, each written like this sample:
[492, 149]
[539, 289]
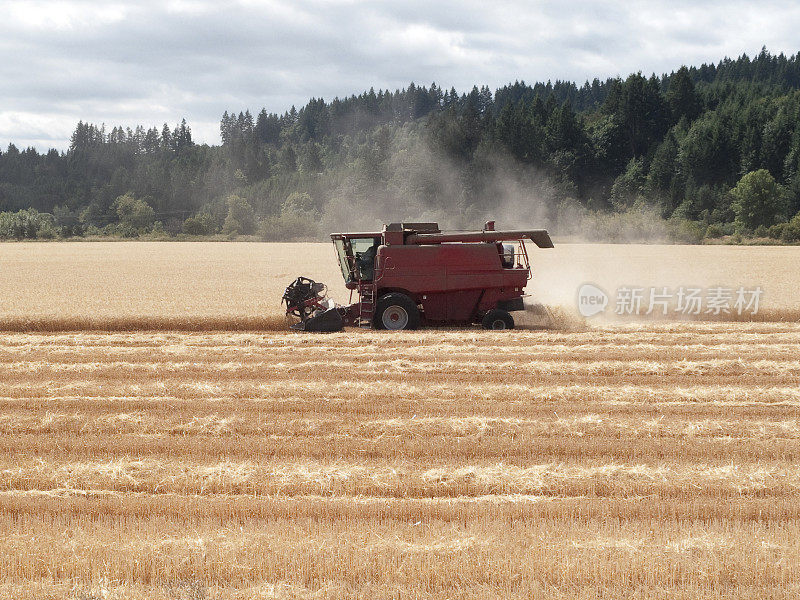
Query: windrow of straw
[625, 461]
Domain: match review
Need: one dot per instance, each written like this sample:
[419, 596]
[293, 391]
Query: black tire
[396, 311]
[497, 318]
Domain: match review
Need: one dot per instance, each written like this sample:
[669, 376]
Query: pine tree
[682, 97]
[166, 138]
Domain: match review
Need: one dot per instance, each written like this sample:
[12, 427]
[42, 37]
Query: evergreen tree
[288, 159]
[707, 152]
[166, 138]
[663, 176]
[682, 97]
[641, 111]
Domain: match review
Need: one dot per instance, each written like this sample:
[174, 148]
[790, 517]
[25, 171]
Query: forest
[700, 154]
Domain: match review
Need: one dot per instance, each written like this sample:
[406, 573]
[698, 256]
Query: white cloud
[190, 7]
[153, 61]
[40, 16]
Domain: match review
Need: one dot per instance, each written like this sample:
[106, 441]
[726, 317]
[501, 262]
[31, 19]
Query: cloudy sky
[156, 61]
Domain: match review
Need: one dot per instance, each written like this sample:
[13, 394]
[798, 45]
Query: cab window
[364, 251]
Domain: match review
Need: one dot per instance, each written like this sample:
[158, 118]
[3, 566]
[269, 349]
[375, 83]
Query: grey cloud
[144, 62]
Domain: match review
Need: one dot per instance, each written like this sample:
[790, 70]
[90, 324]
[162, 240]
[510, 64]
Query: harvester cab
[412, 274]
[357, 258]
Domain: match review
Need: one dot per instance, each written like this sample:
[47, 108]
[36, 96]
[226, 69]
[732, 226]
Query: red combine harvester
[411, 274]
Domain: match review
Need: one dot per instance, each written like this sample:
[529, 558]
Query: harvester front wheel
[497, 318]
[396, 311]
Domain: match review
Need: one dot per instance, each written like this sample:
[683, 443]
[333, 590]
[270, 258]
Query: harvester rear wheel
[396, 311]
[497, 318]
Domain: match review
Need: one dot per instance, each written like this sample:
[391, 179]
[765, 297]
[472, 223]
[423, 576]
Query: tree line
[712, 151]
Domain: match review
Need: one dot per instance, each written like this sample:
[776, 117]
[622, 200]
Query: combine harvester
[412, 274]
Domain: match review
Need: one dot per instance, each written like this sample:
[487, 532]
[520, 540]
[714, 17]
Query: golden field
[621, 460]
[213, 285]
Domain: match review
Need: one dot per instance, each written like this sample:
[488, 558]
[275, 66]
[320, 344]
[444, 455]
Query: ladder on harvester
[366, 305]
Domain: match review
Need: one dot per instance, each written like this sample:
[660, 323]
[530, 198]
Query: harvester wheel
[497, 318]
[396, 311]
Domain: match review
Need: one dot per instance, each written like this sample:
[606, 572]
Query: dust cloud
[411, 181]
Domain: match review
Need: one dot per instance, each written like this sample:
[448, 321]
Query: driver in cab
[365, 261]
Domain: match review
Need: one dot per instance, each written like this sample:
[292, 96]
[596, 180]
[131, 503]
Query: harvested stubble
[625, 462]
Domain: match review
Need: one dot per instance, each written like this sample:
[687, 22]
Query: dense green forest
[702, 152]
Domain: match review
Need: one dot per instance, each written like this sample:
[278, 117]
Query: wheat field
[206, 285]
[613, 460]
